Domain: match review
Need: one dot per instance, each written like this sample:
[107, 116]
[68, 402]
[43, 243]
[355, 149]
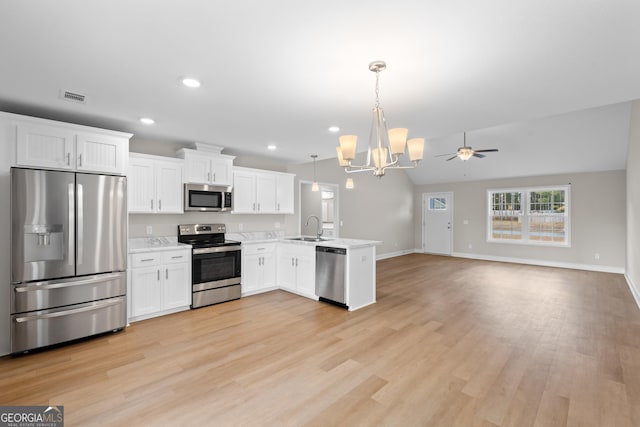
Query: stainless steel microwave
[207, 198]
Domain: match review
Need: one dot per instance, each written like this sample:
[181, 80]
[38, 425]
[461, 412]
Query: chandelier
[385, 145]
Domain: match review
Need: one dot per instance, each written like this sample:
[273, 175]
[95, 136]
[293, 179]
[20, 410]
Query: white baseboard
[394, 254]
[634, 289]
[544, 263]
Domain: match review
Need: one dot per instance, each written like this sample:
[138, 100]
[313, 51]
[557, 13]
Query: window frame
[525, 208]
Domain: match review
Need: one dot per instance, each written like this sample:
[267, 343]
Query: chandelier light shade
[385, 145]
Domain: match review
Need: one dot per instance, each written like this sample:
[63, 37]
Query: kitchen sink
[309, 239]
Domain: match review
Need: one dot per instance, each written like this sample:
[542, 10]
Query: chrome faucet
[319, 230]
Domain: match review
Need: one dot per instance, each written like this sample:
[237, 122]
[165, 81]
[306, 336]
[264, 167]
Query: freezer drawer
[57, 293]
[48, 327]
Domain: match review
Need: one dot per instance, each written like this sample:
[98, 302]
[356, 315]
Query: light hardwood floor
[450, 342]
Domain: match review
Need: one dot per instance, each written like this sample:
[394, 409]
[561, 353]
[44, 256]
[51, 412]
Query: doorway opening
[323, 204]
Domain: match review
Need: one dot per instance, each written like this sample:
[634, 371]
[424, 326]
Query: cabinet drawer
[145, 259]
[262, 248]
[173, 257]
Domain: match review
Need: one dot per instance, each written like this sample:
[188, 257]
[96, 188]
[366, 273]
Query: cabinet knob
[159, 205]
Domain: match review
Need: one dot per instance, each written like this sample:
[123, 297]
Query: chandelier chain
[377, 89]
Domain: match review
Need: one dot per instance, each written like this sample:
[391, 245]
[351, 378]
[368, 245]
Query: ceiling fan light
[465, 153]
[349, 184]
[416, 149]
[398, 140]
[341, 159]
[348, 146]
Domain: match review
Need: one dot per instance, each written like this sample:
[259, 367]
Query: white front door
[437, 223]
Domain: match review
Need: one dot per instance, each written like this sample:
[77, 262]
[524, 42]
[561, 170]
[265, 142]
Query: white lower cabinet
[297, 268]
[159, 283]
[258, 268]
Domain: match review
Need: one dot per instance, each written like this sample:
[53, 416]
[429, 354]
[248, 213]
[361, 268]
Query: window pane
[506, 214]
[547, 216]
[437, 203]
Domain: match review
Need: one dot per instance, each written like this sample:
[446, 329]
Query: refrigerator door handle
[80, 224]
[103, 304]
[66, 284]
[71, 235]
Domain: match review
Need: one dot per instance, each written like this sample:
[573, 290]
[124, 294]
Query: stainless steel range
[215, 263]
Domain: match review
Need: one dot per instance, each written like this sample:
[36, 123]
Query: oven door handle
[216, 249]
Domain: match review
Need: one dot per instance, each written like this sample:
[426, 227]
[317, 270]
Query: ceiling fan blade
[490, 150]
[480, 156]
[442, 155]
[451, 158]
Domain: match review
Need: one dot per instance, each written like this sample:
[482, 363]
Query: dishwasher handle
[326, 249]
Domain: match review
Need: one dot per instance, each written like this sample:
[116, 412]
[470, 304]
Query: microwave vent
[73, 97]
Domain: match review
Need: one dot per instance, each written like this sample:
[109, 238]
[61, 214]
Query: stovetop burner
[204, 235]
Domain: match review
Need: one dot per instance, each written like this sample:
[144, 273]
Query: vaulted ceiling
[540, 80]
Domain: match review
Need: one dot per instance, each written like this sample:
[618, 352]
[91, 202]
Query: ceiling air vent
[73, 97]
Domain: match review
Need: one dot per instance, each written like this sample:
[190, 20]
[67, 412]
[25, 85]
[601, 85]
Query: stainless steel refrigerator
[68, 256]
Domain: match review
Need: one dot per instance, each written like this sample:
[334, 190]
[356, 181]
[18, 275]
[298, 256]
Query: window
[529, 215]
[437, 203]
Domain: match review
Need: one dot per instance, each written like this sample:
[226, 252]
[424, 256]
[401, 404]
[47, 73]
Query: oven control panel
[190, 229]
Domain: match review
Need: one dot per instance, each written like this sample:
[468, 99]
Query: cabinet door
[177, 286]
[251, 266]
[169, 187]
[306, 271]
[45, 146]
[284, 194]
[198, 169]
[146, 294]
[287, 266]
[268, 279]
[244, 190]
[265, 193]
[221, 171]
[141, 186]
[101, 153]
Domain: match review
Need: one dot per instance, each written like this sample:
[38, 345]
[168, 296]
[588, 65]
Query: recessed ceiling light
[271, 147]
[147, 121]
[190, 82]
[334, 129]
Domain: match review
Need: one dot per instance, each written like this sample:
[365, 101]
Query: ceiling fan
[465, 152]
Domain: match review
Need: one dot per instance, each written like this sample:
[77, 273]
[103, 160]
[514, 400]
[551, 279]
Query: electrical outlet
[240, 227]
[466, 222]
[149, 230]
[276, 225]
[596, 256]
[470, 246]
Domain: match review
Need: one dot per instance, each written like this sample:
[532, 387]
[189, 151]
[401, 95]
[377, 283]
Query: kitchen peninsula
[272, 261]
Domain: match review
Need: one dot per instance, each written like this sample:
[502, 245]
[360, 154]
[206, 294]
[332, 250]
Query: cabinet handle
[146, 260]
[80, 159]
[151, 204]
[159, 205]
[259, 260]
[158, 275]
[208, 176]
[177, 257]
[258, 207]
[293, 263]
[296, 262]
[254, 207]
[69, 159]
[278, 207]
[166, 273]
[214, 177]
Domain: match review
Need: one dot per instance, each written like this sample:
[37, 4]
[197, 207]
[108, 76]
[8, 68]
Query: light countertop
[258, 237]
[147, 244]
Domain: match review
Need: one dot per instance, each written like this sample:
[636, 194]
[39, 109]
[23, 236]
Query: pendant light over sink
[385, 145]
[314, 186]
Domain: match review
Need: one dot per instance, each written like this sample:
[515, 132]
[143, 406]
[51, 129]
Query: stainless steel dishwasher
[330, 275]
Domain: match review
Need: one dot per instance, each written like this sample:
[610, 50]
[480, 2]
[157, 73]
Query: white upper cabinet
[207, 168]
[154, 184]
[262, 192]
[53, 145]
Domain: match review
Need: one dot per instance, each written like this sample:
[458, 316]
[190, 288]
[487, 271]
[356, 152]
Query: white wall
[376, 209]
[633, 203]
[597, 220]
